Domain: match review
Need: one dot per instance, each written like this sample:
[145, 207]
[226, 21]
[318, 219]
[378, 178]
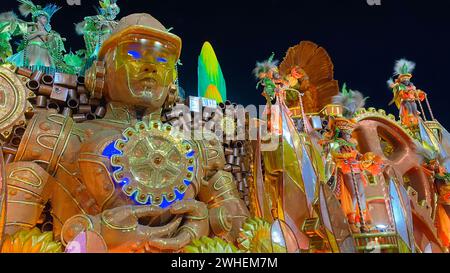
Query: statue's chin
[143, 93]
[145, 88]
[147, 93]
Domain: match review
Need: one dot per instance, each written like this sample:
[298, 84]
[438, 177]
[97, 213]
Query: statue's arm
[227, 211]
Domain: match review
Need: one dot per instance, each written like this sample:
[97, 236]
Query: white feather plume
[401, 63]
[8, 16]
[390, 83]
[26, 7]
[79, 27]
[424, 153]
[262, 67]
[351, 100]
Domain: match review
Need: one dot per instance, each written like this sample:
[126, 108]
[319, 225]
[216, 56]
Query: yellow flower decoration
[31, 241]
[255, 237]
[210, 245]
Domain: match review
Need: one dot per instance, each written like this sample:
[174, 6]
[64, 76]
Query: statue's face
[140, 70]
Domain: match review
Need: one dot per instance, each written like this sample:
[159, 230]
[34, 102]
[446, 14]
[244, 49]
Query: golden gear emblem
[155, 165]
[13, 102]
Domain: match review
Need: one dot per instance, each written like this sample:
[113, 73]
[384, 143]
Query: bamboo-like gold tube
[228, 168]
[235, 169]
[90, 116]
[84, 109]
[94, 102]
[67, 112]
[53, 105]
[228, 151]
[238, 176]
[47, 79]
[41, 101]
[100, 111]
[79, 117]
[72, 94]
[15, 141]
[37, 76]
[83, 98]
[19, 131]
[243, 167]
[230, 159]
[237, 161]
[45, 90]
[33, 85]
[81, 89]
[80, 80]
[24, 72]
[73, 103]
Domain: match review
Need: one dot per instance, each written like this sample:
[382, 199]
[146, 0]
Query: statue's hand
[126, 217]
[196, 225]
[120, 228]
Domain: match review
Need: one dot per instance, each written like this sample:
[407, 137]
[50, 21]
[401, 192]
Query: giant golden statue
[113, 179]
[99, 160]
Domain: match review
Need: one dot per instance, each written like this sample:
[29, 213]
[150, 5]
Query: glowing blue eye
[161, 60]
[134, 54]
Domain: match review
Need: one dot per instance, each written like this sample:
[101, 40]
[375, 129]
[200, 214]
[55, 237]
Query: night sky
[364, 41]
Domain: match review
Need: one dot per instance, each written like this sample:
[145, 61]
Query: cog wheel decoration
[14, 102]
[155, 165]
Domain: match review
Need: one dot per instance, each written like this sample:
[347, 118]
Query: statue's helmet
[140, 24]
[140, 58]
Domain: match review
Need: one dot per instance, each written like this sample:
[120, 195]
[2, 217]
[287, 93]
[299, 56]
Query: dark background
[364, 41]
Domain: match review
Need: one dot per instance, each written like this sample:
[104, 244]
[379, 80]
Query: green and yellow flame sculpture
[211, 83]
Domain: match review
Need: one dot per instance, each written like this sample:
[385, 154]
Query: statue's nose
[148, 68]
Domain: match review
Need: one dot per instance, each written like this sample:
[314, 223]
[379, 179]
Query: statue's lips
[143, 84]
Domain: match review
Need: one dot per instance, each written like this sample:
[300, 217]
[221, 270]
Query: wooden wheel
[383, 135]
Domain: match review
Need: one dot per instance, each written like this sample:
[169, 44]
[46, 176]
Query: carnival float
[102, 152]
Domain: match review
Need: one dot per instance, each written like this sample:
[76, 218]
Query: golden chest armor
[152, 163]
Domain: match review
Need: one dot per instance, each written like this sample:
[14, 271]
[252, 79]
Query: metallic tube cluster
[63, 93]
[236, 157]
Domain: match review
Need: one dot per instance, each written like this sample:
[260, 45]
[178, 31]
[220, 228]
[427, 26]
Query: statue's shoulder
[48, 134]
